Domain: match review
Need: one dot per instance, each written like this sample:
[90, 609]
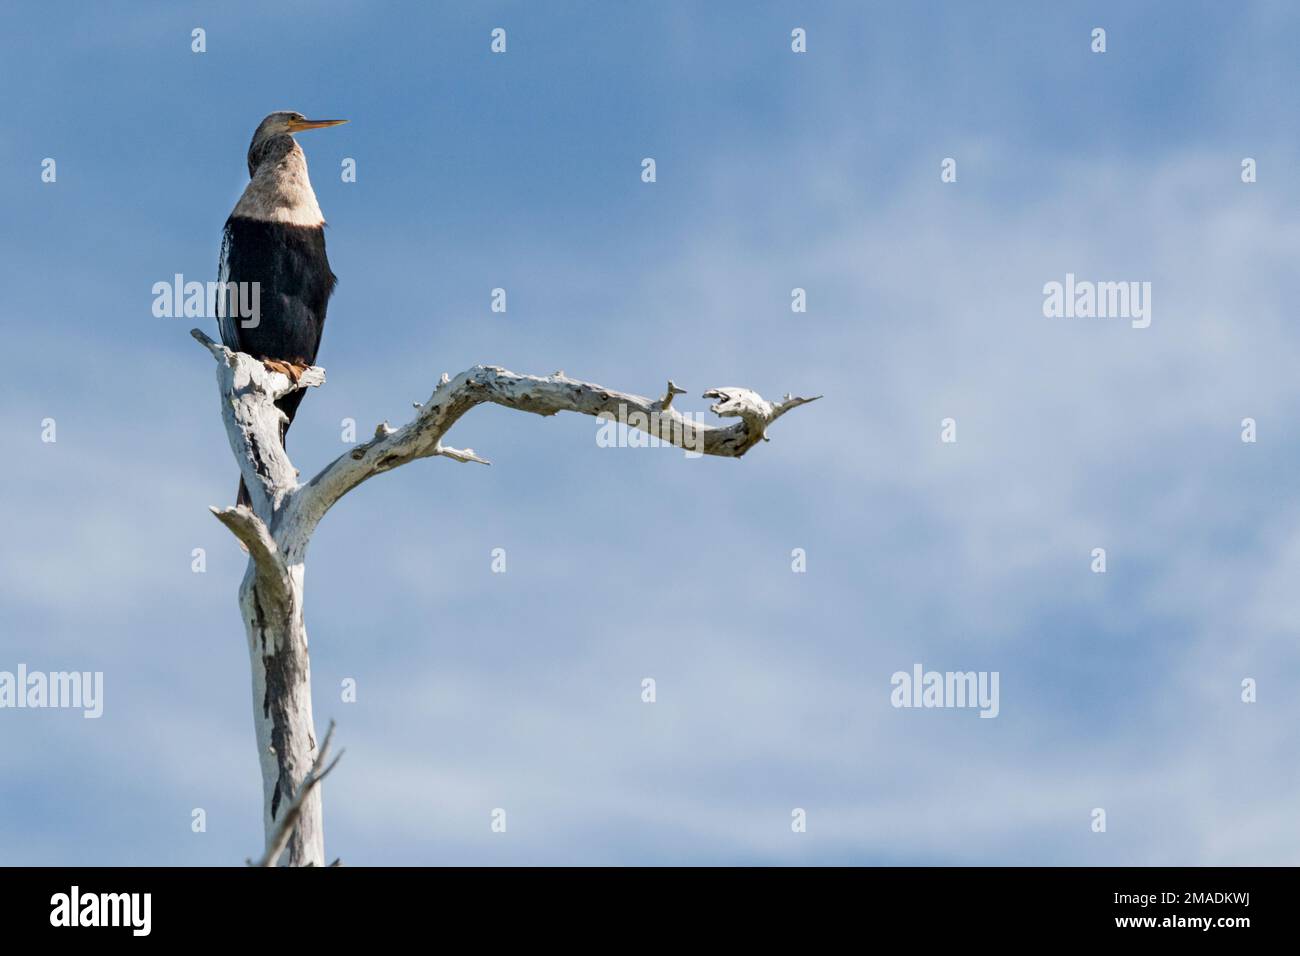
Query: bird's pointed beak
[297, 126]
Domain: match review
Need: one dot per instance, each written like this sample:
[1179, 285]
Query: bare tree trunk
[286, 741]
[278, 528]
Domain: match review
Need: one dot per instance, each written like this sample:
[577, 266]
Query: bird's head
[274, 135]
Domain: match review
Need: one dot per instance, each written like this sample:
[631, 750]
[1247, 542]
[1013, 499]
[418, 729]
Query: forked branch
[278, 528]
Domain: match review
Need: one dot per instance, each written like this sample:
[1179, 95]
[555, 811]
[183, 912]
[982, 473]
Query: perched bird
[275, 237]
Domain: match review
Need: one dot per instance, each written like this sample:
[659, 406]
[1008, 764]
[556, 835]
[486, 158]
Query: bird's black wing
[294, 282]
[226, 319]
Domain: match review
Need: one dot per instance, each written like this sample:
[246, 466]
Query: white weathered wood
[452, 398]
[284, 514]
[288, 821]
[270, 597]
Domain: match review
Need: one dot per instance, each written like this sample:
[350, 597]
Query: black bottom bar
[334, 905]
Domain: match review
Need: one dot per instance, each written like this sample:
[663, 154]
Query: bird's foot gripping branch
[278, 526]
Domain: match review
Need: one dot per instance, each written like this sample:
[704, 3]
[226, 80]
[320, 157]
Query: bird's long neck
[280, 190]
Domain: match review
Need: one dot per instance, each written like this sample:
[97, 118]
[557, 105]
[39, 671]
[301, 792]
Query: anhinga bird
[275, 236]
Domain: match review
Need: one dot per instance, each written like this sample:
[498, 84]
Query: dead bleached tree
[285, 512]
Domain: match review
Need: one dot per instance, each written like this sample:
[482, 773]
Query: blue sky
[775, 170]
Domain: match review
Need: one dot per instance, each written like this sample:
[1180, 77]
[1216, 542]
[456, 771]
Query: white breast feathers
[280, 191]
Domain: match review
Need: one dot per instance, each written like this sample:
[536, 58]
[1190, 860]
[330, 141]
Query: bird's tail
[289, 405]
